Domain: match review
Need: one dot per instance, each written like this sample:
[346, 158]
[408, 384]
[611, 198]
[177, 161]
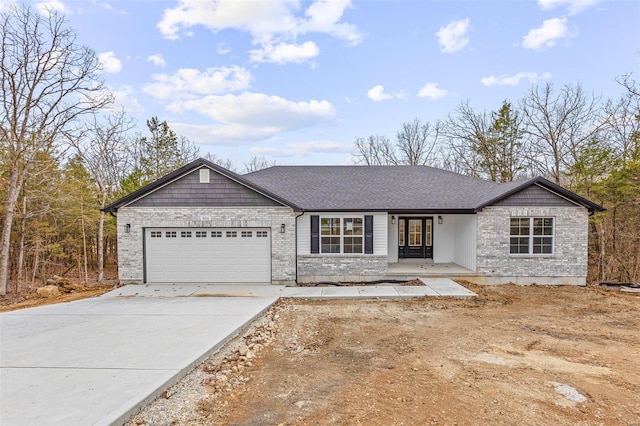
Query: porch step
[426, 269]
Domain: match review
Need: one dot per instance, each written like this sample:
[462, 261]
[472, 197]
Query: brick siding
[130, 245]
[570, 244]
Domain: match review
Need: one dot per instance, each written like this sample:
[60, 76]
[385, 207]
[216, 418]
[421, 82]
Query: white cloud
[47, 6]
[432, 91]
[547, 35]
[124, 99]
[283, 53]
[514, 80]
[378, 94]
[252, 116]
[324, 17]
[573, 6]
[271, 23]
[223, 48]
[110, 64]
[190, 82]
[109, 7]
[157, 60]
[303, 149]
[454, 36]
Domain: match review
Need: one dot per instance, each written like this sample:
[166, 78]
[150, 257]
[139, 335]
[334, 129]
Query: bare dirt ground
[28, 298]
[516, 355]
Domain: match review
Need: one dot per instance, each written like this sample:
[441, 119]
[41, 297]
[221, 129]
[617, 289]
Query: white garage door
[208, 255]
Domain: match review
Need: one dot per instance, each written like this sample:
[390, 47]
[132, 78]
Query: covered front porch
[431, 244]
[412, 268]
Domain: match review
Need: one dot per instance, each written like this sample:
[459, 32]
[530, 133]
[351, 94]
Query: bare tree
[623, 130]
[103, 149]
[227, 164]
[559, 124]
[258, 163]
[467, 134]
[47, 81]
[376, 150]
[416, 144]
[487, 144]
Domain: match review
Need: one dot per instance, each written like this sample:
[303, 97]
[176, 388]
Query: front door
[415, 237]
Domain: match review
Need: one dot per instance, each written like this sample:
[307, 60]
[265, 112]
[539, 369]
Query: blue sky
[298, 81]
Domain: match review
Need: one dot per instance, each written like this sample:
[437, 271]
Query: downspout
[296, 245]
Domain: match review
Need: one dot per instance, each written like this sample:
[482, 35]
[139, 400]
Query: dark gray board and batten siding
[187, 191]
[535, 196]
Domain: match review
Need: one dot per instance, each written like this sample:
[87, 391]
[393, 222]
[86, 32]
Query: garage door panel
[208, 255]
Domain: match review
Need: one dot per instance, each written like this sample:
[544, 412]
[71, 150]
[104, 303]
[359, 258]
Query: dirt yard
[516, 355]
[30, 299]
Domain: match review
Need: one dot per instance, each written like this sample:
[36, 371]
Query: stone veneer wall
[344, 267]
[130, 247]
[568, 264]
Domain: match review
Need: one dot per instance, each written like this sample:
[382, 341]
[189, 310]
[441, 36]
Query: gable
[187, 191]
[535, 195]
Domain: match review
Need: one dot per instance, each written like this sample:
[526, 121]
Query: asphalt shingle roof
[374, 187]
[365, 188]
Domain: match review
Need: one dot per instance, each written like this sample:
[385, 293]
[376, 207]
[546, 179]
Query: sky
[298, 81]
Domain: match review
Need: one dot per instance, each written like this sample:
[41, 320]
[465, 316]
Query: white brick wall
[570, 250]
[130, 246]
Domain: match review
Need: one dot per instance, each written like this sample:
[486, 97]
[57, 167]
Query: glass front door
[415, 237]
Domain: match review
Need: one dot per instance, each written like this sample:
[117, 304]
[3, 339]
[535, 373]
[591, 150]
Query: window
[232, 234]
[261, 234]
[531, 235]
[341, 235]
[216, 234]
[352, 235]
[201, 234]
[156, 234]
[185, 234]
[247, 234]
[401, 232]
[415, 232]
[170, 234]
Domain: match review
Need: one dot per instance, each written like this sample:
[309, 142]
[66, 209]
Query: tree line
[576, 139]
[66, 152]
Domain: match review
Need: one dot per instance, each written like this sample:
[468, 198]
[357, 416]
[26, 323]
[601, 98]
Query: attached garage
[205, 224]
[207, 255]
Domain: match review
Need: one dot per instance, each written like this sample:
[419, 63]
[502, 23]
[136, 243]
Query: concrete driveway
[96, 361]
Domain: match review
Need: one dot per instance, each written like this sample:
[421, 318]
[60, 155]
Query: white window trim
[531, 236]
[341, 235]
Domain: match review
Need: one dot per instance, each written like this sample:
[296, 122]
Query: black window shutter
[315, 234]
[368, 234]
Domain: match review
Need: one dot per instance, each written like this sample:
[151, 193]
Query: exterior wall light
[439, 220]
[393, 220]
[127, 228]
[282, 228]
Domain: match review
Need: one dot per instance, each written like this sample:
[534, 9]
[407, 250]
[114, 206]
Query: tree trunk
[23, 227]
[84, 244]
[5, 242]
[101, 247]
[36, 261]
